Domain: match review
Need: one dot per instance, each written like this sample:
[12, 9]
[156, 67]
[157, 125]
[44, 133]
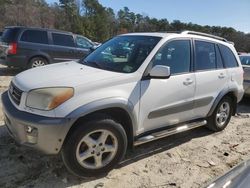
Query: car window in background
[122, 54]
[228, 57]
[205, 58]
[176, 55]
[63, 40]
[10, 34]
[35, 36]
[245, 60]
[81, 42]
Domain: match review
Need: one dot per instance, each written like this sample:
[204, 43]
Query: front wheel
[221, 115]
[95, 147]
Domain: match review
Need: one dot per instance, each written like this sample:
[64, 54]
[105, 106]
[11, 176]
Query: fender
[220, 96]
[39, 54]
[103, 104]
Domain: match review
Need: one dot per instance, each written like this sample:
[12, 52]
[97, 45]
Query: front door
[169, 101]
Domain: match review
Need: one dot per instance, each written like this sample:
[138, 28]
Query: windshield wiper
[93, 63]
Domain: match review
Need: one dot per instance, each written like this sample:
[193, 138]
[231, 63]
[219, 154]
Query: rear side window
[10, 35]
[205, 56]
[63, 40]
[176, 55]
[245, 60]
[35, 36]
[228, 57]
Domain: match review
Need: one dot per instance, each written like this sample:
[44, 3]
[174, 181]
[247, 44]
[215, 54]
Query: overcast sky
[230, 13]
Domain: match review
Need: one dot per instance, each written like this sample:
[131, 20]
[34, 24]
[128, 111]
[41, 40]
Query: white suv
[133, 89]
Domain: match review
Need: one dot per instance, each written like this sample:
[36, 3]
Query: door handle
[188, 81]
[221, 75]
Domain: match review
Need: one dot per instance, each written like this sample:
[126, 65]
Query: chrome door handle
[221, 76]
[188, 81]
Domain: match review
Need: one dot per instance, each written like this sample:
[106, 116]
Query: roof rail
[205, 35]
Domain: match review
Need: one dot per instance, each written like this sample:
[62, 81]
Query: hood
[69, 74]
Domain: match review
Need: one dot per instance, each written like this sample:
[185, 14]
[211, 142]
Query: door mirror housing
[160, 72]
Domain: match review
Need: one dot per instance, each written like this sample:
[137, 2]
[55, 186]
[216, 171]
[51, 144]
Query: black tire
[213, 122]
[70, 147]
[36, 62]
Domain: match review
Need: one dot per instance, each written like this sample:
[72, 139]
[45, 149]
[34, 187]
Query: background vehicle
[32, 47]
[93, 110]
[238, 177]
[245, 60]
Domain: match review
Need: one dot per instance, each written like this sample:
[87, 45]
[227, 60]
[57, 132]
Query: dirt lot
[190, 159]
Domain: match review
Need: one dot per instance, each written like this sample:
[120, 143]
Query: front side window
[176, 55]
[35, 36]
[228, 57]
[245, 60]
[205, 56]
[63, 40]
[122, 54]
[81, 42]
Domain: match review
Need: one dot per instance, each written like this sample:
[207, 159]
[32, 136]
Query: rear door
[211, 76]
[63, 47]
[33, 42]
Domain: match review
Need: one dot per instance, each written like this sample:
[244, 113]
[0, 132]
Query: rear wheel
[221, 115]
[37, 62]
[95, 147]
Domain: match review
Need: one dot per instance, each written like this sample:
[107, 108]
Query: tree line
[99, 23]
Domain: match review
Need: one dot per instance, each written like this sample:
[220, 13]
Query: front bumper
[247, 87]
[49, 132]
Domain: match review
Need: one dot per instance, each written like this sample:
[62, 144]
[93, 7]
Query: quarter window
[35, 36]
[63, 40]
[228, 57]
[176, 55]
[205, 57]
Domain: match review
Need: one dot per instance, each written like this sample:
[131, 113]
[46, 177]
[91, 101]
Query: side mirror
[160, 72]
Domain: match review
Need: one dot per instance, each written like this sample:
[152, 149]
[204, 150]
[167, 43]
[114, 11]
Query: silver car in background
[245, 60]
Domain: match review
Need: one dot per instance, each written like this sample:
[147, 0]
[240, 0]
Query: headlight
[48, 98]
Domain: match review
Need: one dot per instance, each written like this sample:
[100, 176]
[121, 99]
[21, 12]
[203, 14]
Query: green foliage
[90, 18]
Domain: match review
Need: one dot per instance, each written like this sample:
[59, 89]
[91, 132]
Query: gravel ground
[190, 159]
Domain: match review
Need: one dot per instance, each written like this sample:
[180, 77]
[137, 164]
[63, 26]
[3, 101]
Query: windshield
[245, 60]
[123, 54]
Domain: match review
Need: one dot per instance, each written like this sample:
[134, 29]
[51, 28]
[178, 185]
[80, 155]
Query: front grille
[15, 93]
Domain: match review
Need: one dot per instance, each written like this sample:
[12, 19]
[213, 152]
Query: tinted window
[35, 36]
[228, 56]
[122, 54]
[81, 42]
[245, 60]
[219, 58]
[10, 34]
[63, 40]
[205, 58]
[176, 55]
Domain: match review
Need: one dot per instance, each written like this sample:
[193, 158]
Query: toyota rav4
[93, 110]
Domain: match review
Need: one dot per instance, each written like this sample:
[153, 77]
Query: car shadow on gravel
[21, 166]
[6, 71]
[244, 106]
